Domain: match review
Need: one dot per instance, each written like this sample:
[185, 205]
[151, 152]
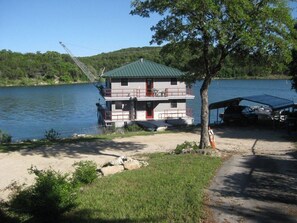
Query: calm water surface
[27, 112]
[227, 89]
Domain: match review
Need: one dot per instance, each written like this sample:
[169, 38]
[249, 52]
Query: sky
[87, 27]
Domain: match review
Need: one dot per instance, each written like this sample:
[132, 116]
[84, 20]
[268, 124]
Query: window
[118, 105]
[174, 104]
[124, 82]
[173, 81]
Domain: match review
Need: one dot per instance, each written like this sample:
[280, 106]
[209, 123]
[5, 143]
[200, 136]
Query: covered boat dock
[273, 102]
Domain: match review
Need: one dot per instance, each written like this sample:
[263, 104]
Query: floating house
[144, 91]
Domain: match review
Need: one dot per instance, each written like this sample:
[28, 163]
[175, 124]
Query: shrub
[186, 146]
[52, 135]
[46, 200]
[133, 128]
[66, 78]
[85, 172]
[4, 137]
[109, 129]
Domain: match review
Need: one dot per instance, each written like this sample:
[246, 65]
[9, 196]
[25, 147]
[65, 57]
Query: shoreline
[41, 84]
[46, 84]
[62, 156]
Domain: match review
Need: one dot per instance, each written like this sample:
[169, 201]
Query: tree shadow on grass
[84, 216]
[81, 216]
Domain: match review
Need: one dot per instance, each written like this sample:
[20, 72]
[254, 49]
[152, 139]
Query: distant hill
[55, 68]
[118, 58]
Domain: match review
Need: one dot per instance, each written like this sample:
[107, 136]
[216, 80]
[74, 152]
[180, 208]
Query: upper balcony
[143, 95]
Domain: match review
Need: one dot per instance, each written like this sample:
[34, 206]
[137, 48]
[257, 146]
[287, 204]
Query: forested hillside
[54, 68]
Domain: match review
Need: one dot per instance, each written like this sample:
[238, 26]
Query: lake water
[27, 112]
[226, 89]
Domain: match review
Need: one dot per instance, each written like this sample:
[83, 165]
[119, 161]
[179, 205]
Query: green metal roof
[143, 69]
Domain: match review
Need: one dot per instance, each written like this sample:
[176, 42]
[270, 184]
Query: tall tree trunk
[204, 140]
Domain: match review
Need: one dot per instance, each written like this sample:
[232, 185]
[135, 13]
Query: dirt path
[259, 185]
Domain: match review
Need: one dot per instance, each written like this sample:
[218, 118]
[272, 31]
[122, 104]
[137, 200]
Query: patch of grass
[170, 189]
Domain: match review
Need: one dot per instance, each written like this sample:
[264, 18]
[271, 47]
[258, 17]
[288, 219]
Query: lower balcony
[175, 114]
[140, 115]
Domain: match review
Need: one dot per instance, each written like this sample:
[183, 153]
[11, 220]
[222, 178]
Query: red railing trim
[132, 92]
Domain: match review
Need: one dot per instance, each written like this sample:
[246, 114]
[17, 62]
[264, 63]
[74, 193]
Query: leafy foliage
[46, 200]
[186, 146]
[119, 58]
[206, 33]
[52, 67]
[85, 172]
[52, 135]
[293, 69]
[30, 68]
[293, 66]
[133, 128]
[4, 137]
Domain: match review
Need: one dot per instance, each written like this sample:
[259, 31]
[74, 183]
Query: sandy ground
[14, 165]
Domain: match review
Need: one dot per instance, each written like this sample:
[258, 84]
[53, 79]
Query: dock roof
[275, 103]
[143, 69]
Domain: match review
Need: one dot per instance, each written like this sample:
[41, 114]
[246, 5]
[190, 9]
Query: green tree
[293, 67]
[217, 28]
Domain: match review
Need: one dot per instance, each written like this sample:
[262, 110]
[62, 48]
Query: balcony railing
[147, 93]
[177, 113]
[116, 115]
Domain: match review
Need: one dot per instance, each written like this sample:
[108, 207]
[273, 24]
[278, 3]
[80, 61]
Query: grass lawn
[170, 189]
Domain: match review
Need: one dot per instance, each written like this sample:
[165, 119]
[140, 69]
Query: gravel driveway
[258, 184]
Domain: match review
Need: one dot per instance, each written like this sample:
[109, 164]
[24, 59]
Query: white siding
[166, 83]
[140, 83]
[162, 106]
[141, 111]
[132, 84]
